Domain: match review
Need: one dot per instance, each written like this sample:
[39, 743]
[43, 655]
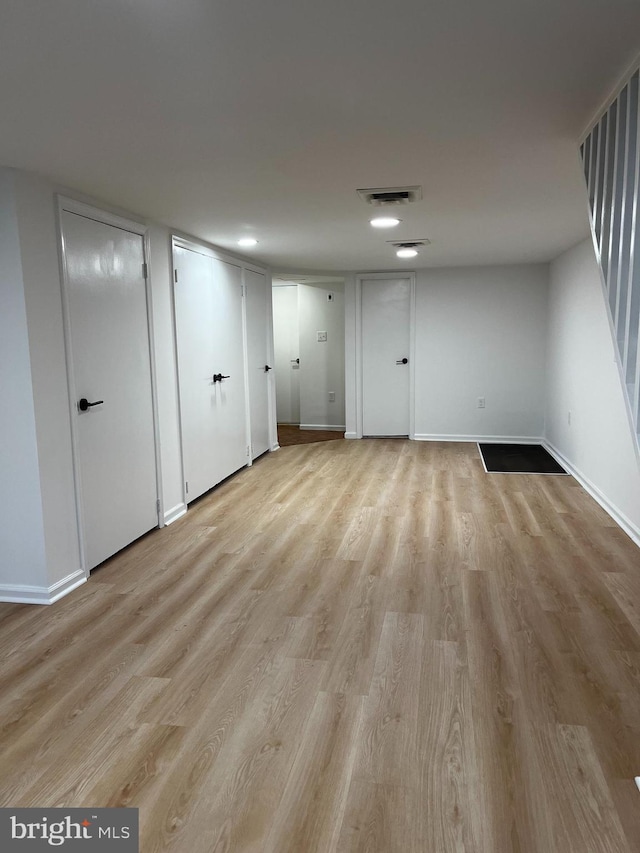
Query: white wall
[583, 379]
[22, 543]
[321, 362]
[480, 332]
[39, 537]
[38, 523]
[36, 207]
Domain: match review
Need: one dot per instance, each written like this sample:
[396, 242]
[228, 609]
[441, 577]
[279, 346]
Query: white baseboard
[24, 594]
[631, 529]
[488, 439]
[331, 427]
[175, 513]
[351, 435]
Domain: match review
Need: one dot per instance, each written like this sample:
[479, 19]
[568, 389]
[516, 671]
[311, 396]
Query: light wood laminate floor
[351, 646]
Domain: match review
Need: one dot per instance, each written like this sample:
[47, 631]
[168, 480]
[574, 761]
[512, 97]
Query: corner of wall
[587, 422]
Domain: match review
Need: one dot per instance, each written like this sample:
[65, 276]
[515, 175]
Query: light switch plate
[322, 336]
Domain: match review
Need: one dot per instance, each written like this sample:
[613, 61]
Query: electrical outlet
[332, 396]
[481, 402]
[322, 336]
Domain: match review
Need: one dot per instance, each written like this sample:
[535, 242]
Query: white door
[386, 310]
[209, 335]
[111, 380]
[258, 368]
[286, 353]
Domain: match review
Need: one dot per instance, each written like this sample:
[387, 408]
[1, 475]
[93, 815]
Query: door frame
[179, 241]
[388, 276]
[70, 205]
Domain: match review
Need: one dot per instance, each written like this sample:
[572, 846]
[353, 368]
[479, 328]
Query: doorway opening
[308, 331]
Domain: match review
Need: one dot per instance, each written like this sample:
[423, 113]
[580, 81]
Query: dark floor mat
[518, 459]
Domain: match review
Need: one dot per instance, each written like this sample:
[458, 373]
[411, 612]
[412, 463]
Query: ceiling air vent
[409, 244]
[387, 196]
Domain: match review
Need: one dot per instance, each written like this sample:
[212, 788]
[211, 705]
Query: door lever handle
[218, 377]
[402, 361]
[84, 404]
[266, 368]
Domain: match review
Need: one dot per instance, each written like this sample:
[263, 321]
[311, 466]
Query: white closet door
[258, 368]
[111, 372]
[386, 310]
[208, 302]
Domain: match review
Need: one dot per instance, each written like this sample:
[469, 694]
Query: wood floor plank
[388, 747]
[380, 819]
[350, 646]
[312, 808]
[253, 765]
[450, 783]
[586, 818]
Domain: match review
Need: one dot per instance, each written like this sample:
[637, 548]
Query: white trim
[271, 360]
[352, 435]
[358, 358]
[176, 377]
[23, 594]
[248, 438]
[104, 217]
[154, 378]
[599, 187]
[486, 439]
[412, 356]
[631, 529]
[175, 513]
[328, 427]
[182, 242]
[99, 215]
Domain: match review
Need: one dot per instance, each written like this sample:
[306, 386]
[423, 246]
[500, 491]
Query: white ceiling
[263, 117]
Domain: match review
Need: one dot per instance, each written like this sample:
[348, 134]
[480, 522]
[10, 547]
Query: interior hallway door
[386, 313]
[109, 350]
[211, 369]
[259, 370]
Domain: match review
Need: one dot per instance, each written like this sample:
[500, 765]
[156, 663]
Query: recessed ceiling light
[247, 242]
[406, 253]
[385, 222]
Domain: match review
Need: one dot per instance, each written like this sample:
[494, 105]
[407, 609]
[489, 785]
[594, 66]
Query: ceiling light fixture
[247, 242]
[384, 222]
[406, 253]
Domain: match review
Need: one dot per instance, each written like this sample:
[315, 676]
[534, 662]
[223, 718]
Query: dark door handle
[295, 361]
[218, 377]
[402, 361]
[266, 368]
[84, 404]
